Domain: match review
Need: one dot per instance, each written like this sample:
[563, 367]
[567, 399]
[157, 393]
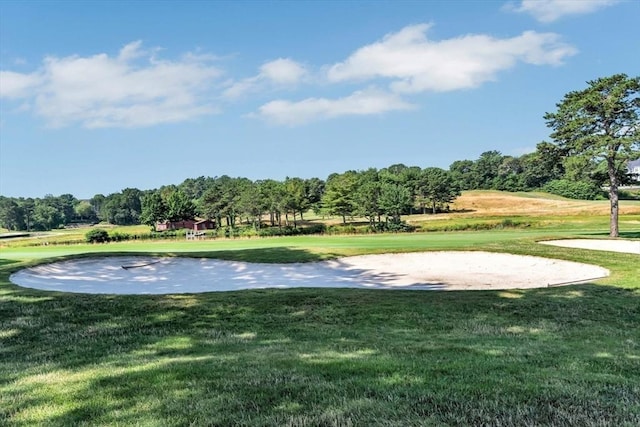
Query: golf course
[560, 355]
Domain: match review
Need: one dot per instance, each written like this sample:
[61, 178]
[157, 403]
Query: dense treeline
[380, 196]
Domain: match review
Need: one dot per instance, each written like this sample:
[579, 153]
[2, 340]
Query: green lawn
[324, 357]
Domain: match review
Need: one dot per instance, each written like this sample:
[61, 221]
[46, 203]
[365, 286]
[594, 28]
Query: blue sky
[99, 96]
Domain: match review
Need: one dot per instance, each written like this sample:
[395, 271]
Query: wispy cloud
[280, 73]
[551, 10]
[133, 89]
[414, 63]
[364, 102]
[137, 88]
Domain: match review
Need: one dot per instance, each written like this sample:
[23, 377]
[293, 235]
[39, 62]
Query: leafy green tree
[338, 198]
[222, 199]
[131, 201]
[510, 175]
[296, 200]
[27, 205]
[543, 165]
[11, 214]
[601, 123]
[486, 170]
[436, 188]
[395, 199]
[66, 205]
[252, 203]
[96, 203]
[232, 197]
[462, 173]
[274, 196]
[47, 214]
[122, 208]
[212, 204]
[314, 188]
[84, 211]
[196, 187]
[401, 174]
[179, 207]
[393, 174]
[367, 196]
[154, 210]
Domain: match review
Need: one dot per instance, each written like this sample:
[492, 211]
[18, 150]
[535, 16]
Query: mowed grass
[328, 357]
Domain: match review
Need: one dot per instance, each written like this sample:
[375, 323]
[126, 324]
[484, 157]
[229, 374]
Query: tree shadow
[284, 255]
[4, 261]
[319, 356]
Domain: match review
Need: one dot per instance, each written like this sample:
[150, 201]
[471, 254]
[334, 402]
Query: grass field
[330, 357]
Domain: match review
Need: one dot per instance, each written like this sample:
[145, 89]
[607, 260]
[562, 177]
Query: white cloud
[17, 85]
[365, 102]
[416, 64]
[132, 89]
[552, 10]
[282, 72]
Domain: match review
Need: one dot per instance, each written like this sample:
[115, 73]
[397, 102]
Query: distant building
[634, 169]
[192, 224]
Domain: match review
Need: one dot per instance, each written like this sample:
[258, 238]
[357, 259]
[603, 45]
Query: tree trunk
[613, 198]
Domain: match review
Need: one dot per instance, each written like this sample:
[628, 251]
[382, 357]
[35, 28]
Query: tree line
[379, 195]
[596, 131]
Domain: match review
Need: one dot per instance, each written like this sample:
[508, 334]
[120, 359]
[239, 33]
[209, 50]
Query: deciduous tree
[436, 188]
[154, 210]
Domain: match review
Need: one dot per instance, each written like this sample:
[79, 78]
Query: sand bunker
[622, 246]
[418, 271]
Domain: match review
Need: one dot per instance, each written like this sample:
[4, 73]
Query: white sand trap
[419, 271]
[622, 246]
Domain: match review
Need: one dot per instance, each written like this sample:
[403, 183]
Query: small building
[634, 169]
[190, 224]
[204, 224]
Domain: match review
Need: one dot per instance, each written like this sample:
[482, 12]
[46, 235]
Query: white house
[634, 169]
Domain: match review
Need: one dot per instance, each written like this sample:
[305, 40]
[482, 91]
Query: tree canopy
[601, 124]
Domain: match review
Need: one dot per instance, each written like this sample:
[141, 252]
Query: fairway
[567, 355]
[367, 213]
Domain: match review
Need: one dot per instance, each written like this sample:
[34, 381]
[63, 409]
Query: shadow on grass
[283, 255]
[321, 357]
[4, 262]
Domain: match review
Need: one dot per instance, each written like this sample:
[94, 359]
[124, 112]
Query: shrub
[573, 189]
[119, 237]
[397, 227]
[629, 194]
[97, 235]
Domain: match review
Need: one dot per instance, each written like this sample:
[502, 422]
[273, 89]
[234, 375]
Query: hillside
[498, 203]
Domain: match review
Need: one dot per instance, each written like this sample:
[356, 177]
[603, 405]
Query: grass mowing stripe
[556, 356]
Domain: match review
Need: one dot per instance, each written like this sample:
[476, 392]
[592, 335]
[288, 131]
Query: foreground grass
[307, 357]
